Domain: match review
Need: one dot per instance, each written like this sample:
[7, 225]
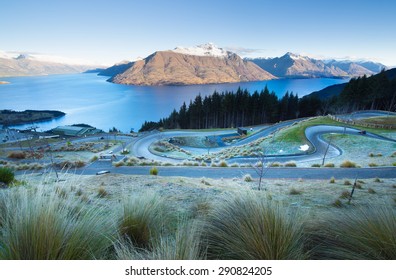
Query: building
[70, 130]
[242, 131]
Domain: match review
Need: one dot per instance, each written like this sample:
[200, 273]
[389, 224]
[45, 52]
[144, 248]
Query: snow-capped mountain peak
[208, 49]
[296, 56]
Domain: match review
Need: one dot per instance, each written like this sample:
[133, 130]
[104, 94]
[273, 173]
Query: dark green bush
[6, 175]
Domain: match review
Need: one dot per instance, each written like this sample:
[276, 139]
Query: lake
[90, 99]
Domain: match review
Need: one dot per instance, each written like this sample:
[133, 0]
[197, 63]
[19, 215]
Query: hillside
[336, 90]
[116, 69]
[205, 64]
[296, 66]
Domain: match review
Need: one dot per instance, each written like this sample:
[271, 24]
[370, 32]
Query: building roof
[72, 130]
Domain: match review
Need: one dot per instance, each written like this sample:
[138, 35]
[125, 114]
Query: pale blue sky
[113, 30]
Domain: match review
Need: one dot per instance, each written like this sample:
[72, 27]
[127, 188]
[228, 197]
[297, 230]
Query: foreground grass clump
[6, 175]
[183, 244]
[38, 224]
[364, 233]
[143, 220]
[247, 226]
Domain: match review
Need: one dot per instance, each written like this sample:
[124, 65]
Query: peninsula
[10, 117]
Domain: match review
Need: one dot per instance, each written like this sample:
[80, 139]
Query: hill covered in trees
[377, 92]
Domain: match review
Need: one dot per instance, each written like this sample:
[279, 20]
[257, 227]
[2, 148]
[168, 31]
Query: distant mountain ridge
[204, 64]
[296, 66]
[30, 65]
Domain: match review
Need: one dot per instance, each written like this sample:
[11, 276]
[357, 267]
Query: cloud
[244, 51]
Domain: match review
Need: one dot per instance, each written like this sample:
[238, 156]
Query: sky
[107, 32]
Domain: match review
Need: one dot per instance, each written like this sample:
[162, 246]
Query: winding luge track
[314, 135]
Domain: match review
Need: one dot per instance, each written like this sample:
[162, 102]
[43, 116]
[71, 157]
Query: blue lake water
[88, 98]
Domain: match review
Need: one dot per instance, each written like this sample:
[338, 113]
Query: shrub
[332, 180]
[102, 192]
[290, 164]
[154, 171]
[17, 155]
[94, 158]
[329, 165]
[223, 163]
[337, 203]
[119, 163]
[247, 178]
[205, 182]
[235, 164]
[348, 164]
[345, 194]
[377, 180]
[315, 165]
[39, 225]
[143, 220]
[275, 164]
[246, 226]
[372, 164]
[6, 175]
[347, 183]
[370, 190]
[362, 233]
[294, 191]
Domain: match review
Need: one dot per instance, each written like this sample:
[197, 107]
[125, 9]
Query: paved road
[281, 172]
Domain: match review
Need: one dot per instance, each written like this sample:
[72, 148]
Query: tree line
[231, 109]
[241, 108]
[377, 92]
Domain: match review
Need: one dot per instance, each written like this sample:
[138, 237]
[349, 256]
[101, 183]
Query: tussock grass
[291, 164]
[315, 165]
[102, 192]
[294, 191]
[347, 183]
[345, 194]
[184, 244]
[143, 219]
[247, 226]
[154, 171]
[337, 203]
[275, 164]
[17, 155]
[223, 163]
[39, 225]
[332, 180]
[348, 164]
[329, 165]
[363, 233]
[371, 191]
[377, 180]
[247, 178]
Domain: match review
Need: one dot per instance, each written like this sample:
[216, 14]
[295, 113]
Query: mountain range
[296, 66]
[35, 65]
[203, 64]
